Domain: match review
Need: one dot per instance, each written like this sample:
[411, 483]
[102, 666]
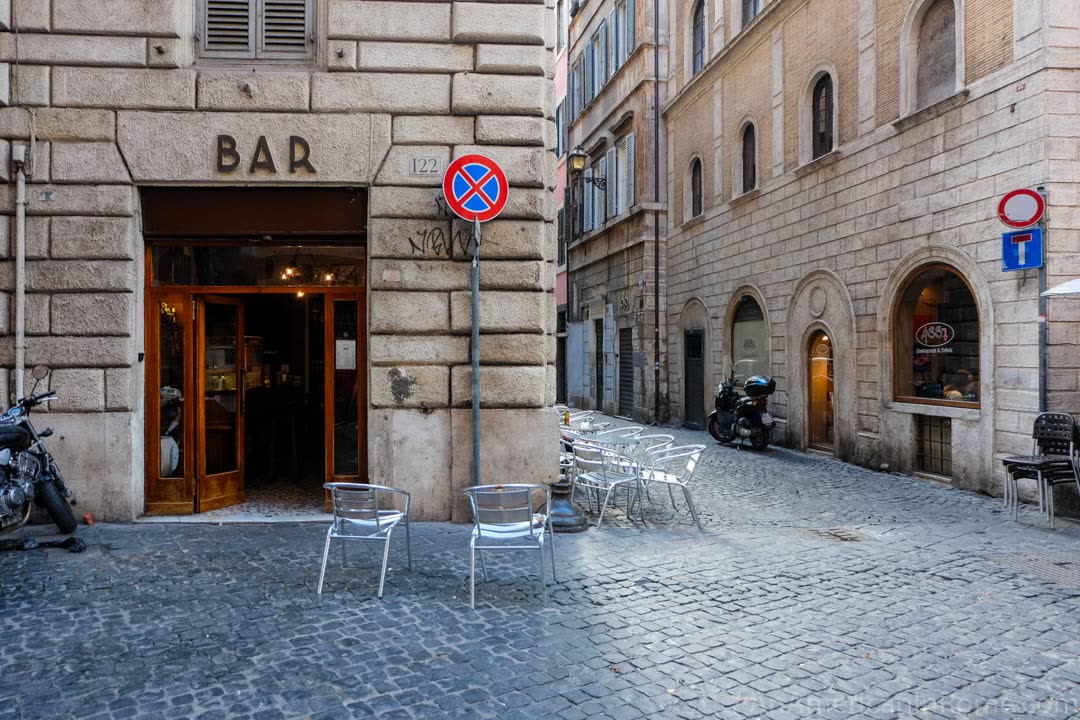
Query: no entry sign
[475, 188]
[1021, 208]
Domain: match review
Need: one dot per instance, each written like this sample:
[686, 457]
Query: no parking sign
[475, 188]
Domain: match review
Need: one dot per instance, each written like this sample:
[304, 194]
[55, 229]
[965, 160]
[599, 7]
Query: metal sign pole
[476, 351]
[1042, 306]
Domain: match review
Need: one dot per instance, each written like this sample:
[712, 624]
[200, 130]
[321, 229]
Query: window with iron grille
[933, 445]
[698, 30]
[822, 121]
[256, 29]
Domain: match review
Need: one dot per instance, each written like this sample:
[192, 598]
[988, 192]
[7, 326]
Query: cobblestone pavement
[818, 589]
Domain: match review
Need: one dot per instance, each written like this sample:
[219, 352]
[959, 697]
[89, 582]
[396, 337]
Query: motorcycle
[743, 417]
[28, 472]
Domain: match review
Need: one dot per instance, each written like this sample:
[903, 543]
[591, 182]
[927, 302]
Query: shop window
[936, 335]
[256, 29]
[698, 38]
[697, 202]
[749, 159]
[749, 341]
[933, 445]
[822, 116]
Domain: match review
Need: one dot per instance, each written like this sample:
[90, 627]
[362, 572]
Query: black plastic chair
[1053, 462]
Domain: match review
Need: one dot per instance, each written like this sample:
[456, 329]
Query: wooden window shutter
[614, 59]
[628, 197]
[628, 24]
[602, 55]
[228, 28]
[284, 28]
[612, 164]
[599, 205]
[587, 191]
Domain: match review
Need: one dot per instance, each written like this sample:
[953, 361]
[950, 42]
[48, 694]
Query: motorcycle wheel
[759, 441]
[50, 498]
[714, 429]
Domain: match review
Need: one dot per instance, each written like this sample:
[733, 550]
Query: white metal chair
[626, 431]
[508, 512]
[674, 467]
[601, 468]
[366, 512]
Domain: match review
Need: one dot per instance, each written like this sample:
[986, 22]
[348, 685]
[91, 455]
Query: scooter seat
[14, 437]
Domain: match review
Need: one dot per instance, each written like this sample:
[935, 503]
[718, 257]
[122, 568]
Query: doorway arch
[821, 304]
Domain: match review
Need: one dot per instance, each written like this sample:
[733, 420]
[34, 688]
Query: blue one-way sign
[1022, 250]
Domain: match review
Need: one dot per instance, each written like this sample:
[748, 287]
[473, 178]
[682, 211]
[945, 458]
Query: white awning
[1067, 288]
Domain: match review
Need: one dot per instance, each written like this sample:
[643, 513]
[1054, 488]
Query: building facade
[834, 175]
[239, 264]
[562, 70]
[617, 206]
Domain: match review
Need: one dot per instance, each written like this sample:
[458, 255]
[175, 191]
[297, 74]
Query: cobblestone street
[818, 589]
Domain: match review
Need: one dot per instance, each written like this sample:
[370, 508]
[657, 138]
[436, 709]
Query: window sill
[817, 163]
[745, 197]
[936, 408]
[931, 111]
[696, 220]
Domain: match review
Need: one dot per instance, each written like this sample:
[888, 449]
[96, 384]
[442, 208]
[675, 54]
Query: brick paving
[818, 589]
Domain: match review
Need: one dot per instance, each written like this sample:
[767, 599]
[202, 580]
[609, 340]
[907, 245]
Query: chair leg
[607, 495]
[385, 558]
[1050, 503]
[325, 555]
[671, 494]
[483, 562]
[343, 553]
[543, 580]
[408, 542]
[551, 545]
[472, 574]
[693, 510]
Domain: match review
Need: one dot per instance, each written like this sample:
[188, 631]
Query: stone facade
[830, 243]
[611, 265]
[116, 97]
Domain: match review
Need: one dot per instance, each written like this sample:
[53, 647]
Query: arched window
[697, 202]
[749, 342]
[749, 159]
[822, 116]
[936, 336]
[935, 53]
[697, 59]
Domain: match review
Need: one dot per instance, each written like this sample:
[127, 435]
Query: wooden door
[219, 360]
[170, 413]
[345, 386]
[694, 375]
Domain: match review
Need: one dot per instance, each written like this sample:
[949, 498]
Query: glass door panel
[221, 418]
[345, 392]
[821, 392]
[170, 482]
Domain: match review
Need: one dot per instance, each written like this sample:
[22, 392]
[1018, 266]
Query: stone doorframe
[821, 302]
[694, 316]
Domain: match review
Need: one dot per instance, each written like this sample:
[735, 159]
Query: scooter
[743, 417]
[28, 471]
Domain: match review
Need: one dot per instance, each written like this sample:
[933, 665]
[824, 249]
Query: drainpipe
[656, 211]
[18, 159]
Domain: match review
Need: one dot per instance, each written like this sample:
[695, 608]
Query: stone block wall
[831, 243]
[115, 96]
